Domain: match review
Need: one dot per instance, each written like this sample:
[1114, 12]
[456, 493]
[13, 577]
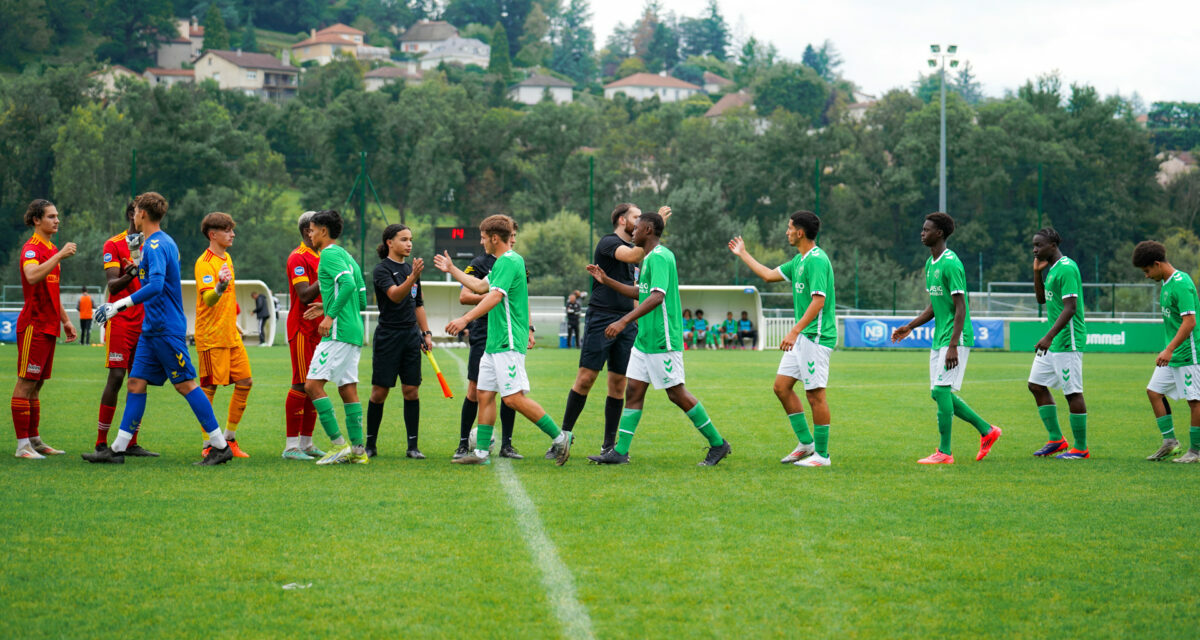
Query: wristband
[123, 303]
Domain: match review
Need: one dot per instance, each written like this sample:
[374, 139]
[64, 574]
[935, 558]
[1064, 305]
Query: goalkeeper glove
[106, 311]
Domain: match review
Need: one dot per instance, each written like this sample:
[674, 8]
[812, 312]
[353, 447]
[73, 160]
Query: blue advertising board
[8, 326]
[876, 333]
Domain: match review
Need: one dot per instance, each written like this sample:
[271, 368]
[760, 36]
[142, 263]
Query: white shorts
[1058, 370]
[1176, 382]
[663, 370]
[503, 373]
[939, 376]
[335, 362]
[807, 362]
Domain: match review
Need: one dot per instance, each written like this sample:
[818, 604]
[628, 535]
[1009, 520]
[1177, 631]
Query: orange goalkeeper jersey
[216, 326]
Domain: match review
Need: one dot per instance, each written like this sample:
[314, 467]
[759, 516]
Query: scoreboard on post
[460, 242]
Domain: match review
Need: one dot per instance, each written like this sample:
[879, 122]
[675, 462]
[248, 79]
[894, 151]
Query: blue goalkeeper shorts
[162, 358]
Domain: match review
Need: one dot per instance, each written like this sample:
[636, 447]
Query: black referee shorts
[397, 353]
[599, 349]
[477, 348]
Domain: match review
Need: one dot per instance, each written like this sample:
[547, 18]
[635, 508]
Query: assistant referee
[400, 337]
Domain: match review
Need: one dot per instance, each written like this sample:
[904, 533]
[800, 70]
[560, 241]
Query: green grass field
[875, 546]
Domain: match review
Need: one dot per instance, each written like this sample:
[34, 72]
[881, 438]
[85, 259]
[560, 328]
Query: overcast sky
[1115, 46]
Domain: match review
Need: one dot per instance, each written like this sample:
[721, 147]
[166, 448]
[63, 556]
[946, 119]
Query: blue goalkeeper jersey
[161, 295]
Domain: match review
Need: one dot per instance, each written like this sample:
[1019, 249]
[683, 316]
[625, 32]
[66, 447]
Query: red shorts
[35, 354]
[302, 348]
[120, 344]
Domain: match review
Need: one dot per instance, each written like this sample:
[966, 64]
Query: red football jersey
[116, 254]
[301, 268]
[42, 308]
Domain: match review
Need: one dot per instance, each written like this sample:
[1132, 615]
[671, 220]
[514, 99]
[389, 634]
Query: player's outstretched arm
[489, 301]
[900, 333]
[35, 273]
[655, 298]
[627, 290]
[444, 263]
[738, 247]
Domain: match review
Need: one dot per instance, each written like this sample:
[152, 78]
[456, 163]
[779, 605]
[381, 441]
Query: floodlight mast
[939, 61]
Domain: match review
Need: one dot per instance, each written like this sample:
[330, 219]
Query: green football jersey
[1178, 299]
[1062, 281]
[344, 293]
[661, 330]
[812, 274]
[945, 277]
[508, 322]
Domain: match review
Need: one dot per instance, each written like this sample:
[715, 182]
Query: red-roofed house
[321, 46]
[255, 74]
[376, 79]
[730, 101]
[180, 47]
[169, 77]
[714, 83]
[641, 86]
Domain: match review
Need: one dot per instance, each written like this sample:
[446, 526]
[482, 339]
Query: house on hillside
[321, 46]
[423, 36]
[857, 110]
[714, 83]
[730, 101]
[376, 79]
[641, 86]
[533, 89]
[1172, 164]
[457, 50]
[182, 47]
[169, 77]
[255, 74]
[107, 77]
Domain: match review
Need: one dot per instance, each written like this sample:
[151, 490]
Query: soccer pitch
[874, 546]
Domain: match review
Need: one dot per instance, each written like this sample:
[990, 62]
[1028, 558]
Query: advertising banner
[8, 326]
[1103, 336]
[877, 333]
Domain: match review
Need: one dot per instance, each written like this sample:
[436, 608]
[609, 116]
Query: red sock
[310, 418]
[35, 417]
[20, 414]
[294, 412]
[104, 423]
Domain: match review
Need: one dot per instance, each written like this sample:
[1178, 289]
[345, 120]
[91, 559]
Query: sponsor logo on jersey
[30, 254]
[35, 369]
[116, 357]
[108, 257]
[299, 271]
[208, 279]
[937, 290]
[52, 279]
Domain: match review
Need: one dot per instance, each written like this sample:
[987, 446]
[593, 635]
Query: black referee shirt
[396, 315]
[604, 298]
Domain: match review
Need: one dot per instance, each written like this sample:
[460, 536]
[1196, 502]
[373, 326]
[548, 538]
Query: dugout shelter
[246, 322]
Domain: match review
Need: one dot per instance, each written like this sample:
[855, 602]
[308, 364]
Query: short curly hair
[1147, 253]
[1050, 235]
[942, 221]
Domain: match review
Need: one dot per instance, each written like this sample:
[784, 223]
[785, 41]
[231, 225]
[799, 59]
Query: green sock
[800, 426]
[964, 411]
[324, 407]
[1194, 434]
[354, 427]
[625, 429]
[1049, 415]
[1079, 430]
[1167, 426]
[483, 437]
[700, 418]
[822, 439]
[547, 425]
[945, 416]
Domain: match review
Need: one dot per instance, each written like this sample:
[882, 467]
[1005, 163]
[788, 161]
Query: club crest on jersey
[208, 279]
[108, 257]
[298, 271]
[413, 293]
[937, 273]
[30, 254]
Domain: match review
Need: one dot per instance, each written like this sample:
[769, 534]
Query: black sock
[374, 417]
[470, 409]
[412, 421]
[612, 419]
[508, 416]
[575, 402]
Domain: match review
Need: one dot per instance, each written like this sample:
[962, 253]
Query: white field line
[556, 577]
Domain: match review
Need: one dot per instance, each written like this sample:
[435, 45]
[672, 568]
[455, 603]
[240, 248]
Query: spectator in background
[262, 311]
[85, 317]
[700, 328]
[688, 324]
[573, 311]
[746, 330]
[728, 330]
